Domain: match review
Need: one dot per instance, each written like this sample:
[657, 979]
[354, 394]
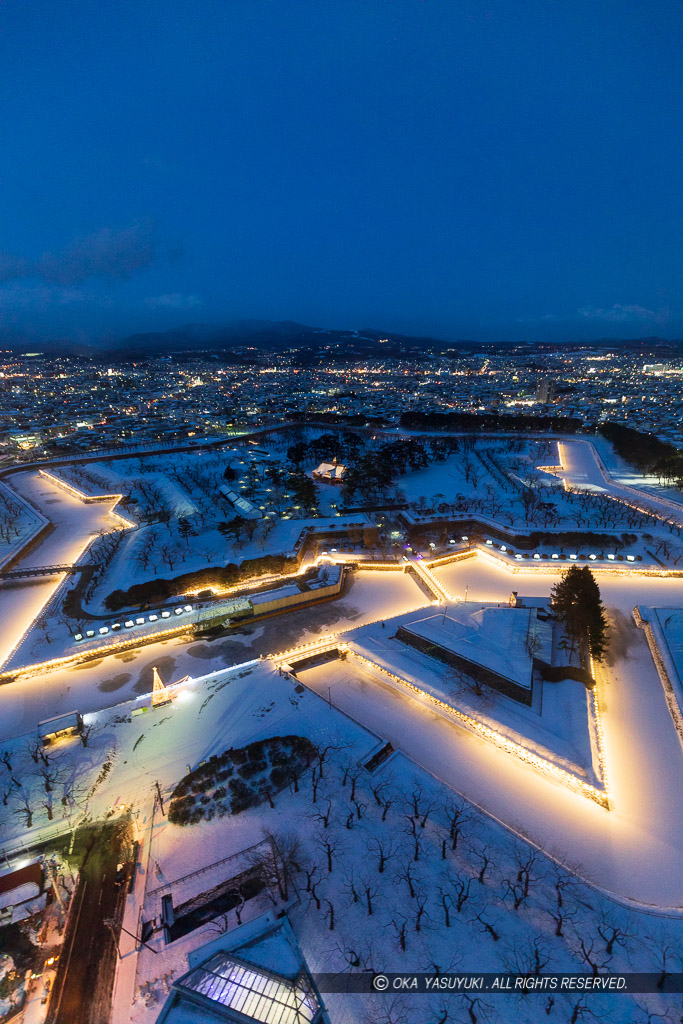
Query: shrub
[252, 768]
[279, 777]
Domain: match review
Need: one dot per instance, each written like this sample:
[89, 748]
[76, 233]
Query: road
[87, 965]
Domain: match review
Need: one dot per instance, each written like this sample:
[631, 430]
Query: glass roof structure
[253, 993]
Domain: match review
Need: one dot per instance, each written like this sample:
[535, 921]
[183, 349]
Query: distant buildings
[545, 391]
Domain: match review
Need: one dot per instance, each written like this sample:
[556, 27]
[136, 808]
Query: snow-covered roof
[243, 507]
[330, 469]
[274, 595]
[495, 638]
[20, 884]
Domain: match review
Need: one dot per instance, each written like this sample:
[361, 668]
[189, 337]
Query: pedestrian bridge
[42, 570]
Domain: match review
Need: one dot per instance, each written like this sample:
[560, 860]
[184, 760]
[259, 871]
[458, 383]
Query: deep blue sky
[467, 168]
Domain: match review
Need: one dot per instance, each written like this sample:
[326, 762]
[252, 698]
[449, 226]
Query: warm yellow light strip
[613, 497]
[60, 579]
[565, 778]
[540, 764]
[312, 647]
[89, 498]
[93, 652]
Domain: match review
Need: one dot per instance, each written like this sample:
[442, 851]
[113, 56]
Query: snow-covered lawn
[19, 522]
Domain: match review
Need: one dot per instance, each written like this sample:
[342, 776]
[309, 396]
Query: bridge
[42, 570]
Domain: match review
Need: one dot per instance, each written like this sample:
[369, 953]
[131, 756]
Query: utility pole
[159, 797]
[111, 925]
[55, 884]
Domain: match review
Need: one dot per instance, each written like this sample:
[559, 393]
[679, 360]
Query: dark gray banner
[470, 983]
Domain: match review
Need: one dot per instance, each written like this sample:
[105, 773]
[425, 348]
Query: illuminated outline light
[89, 498]
[560, 775]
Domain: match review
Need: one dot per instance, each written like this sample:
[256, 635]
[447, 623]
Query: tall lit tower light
[160, 694]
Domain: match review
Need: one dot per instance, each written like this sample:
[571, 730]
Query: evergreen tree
[576, 600]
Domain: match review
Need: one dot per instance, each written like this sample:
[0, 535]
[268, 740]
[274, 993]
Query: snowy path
[581, 468]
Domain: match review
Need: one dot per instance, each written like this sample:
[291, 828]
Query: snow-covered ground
[122, 676]
[445, 920]
[19, 523]
[453, 920]
[558, 726]
[581, 468]
[635, 850]
[75, 524]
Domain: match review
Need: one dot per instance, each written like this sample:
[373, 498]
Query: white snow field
[75, 524]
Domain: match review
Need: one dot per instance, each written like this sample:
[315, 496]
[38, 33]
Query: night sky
[465, 169]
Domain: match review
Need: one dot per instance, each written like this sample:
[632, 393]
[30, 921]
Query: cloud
[117, 253]
[174, 300]
[110, 252]
[19, 296]
[621, 314]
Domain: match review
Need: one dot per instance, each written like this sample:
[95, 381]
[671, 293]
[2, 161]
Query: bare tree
[278, 861]
[24, 809]
[518, 886]
[87, 731]
[383, 849]
[328, 843]
[460, 888]
[484, 855]
[420, 907]
[589, 951]
[527, 958]
[370, 891]
[349, 953]
[420, 805]
[487, 926]
[614, 931]
[458, 815]
[400, 929]
[663, 952]
[412, 831]
[407, 875]
[323, 816]
[350, 887]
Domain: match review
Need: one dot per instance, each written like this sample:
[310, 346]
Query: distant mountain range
[246, 341]
[270, 336]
